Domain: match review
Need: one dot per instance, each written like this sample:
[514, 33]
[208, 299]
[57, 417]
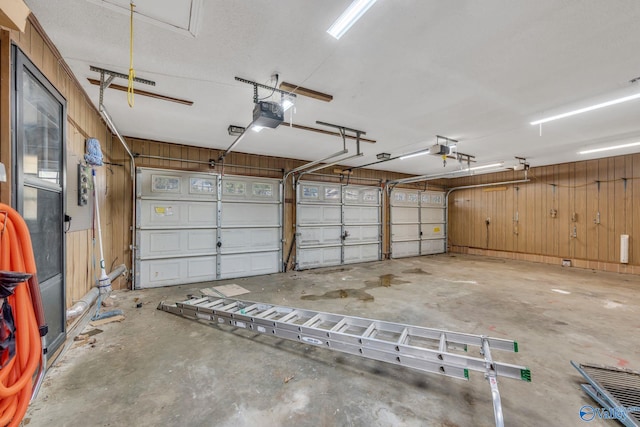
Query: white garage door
[250, 227]
[418, 223]
[194, 227]
[176, 227]
[336, 224]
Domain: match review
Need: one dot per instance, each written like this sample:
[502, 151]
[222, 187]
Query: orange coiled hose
[16, 377]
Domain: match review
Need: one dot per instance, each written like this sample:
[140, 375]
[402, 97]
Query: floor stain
[386, 280]
[416, 271]
[334, 270]
[360, 294]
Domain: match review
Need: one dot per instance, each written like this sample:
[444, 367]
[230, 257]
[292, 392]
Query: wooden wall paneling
[549, 189]
[580, 211]
[592, 196]
[526, 218]
[572, 207]
[536, 216]
[609, 215]
[515, 207]
[603, 209]
[628, 207]
[563, 210]
[634, 232]
[619, 197]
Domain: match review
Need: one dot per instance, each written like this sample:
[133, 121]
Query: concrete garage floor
[156, 368]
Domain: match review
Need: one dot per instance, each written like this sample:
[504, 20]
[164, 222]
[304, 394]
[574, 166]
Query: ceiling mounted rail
[316, 164]
[260, 85]
[235, 142]
[106, 82]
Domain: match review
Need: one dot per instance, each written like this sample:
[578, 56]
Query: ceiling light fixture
[492, 165]
[383, 156]
[349, 17]
[613, 147]
[235, 130]
[416, 154]
[587, 109]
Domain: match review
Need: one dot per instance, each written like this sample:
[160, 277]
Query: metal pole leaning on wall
[132, 165]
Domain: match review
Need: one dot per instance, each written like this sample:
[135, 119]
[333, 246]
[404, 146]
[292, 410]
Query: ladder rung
[311, 322]
[229, 306]
[443, 342]
[338, 326]
[369, 333]
[266, 313]
[403, 336]
[196, 301]
[289, 316]
[212, 304]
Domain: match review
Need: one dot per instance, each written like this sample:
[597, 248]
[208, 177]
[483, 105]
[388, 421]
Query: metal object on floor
[617, 390]
[425, 349]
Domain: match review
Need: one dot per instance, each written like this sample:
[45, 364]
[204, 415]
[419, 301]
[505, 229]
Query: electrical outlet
[553, 213]
[84, 184]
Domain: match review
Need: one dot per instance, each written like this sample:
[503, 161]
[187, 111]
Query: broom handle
[95, 192]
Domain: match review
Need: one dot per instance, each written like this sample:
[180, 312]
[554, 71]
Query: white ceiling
[475, 71]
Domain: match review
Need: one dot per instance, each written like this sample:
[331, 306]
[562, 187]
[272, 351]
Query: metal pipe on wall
[132, 165]
[90, 297]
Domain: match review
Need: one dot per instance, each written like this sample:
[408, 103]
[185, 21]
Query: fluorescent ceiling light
[286, 104]
[419, 153]
[492, 165]
[586, 109]
[613, 147]
[257, 128]
[349, 17]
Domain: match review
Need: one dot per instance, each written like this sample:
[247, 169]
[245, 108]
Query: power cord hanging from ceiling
[132, 73]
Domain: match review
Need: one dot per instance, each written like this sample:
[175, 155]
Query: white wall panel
[318, 214]
[361, 214]
[249, 239]
[319, 257]
[360, 253]
[175, 271]
[433, 247]
[176, 214]
[435, 215]
[404, 215]
[405, 249]
[249, 264]
[250, 214]
[432, 231]
[362, 233]
[312, 236]
[405, 232]
[176, 243]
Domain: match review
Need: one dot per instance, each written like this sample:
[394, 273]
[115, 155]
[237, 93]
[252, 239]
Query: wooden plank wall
[83, 121]
[554, 216]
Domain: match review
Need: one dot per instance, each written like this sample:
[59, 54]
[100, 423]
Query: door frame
[20, 61]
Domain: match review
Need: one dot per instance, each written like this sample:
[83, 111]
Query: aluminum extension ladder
[424, 349]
